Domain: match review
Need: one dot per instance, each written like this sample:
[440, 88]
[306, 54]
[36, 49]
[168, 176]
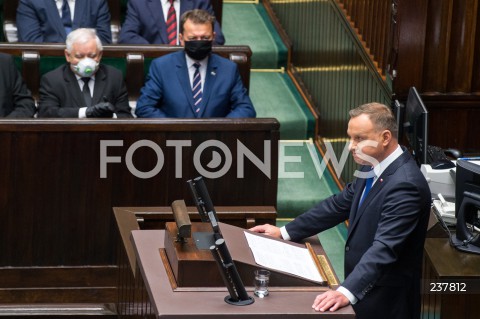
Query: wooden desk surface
[449, 262]
[200, 303]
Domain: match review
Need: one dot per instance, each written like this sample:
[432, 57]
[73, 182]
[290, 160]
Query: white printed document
[283, 256]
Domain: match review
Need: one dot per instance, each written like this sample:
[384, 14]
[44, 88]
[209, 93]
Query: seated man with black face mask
[83, 87]
[194, 83]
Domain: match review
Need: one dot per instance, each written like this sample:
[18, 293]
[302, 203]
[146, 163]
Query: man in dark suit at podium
[388, 209]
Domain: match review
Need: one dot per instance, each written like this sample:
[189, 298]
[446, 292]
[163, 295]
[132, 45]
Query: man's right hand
[267, 229]
[103, 109]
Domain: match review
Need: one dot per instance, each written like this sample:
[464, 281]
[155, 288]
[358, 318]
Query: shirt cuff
[284, 233]
[82, 112]
[353, 300]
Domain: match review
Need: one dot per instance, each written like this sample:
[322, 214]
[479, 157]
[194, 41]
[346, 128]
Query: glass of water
[262, 278]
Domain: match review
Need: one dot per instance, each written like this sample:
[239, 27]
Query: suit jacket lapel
[359, 186]
[209, 83]
[80, 8]
[73, 87]
[357, 211]
[155, 7]
[52, 12]
[99, 88]
[182, 74]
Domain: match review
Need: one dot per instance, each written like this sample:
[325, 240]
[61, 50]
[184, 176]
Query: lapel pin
[381, 180]
[213, 73]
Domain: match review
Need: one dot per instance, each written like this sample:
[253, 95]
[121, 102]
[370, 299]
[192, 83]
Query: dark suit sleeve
[241, 105]
[401, 211]
[151, 94]
[103, 23]
[219, 37]
[23, 104]
[324, 215]
[122, 108]
[130, 32]
[28, 25]
[50, 102]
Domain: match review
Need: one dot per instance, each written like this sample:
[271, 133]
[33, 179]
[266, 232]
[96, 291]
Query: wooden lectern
[155, 291]
[160, 297]
[194, 267]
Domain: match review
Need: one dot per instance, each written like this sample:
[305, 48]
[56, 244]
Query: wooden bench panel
[56, 207]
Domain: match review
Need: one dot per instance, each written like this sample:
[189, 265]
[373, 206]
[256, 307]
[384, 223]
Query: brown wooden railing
[372, 20]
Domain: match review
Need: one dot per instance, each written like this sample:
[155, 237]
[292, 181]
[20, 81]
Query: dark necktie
[66, 17]
[368, 186]
[172, 24]
[197, 88]
[86, 92]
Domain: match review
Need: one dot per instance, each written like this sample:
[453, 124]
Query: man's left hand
[330, 300]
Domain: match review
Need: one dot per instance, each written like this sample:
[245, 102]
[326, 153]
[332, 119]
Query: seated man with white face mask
[83, 87]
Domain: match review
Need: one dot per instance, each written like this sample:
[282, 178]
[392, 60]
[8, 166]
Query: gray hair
[82, 35]
[381, 116]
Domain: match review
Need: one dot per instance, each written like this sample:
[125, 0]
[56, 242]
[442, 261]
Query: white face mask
[86, 67]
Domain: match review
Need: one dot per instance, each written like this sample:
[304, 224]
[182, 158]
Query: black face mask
[198, 49]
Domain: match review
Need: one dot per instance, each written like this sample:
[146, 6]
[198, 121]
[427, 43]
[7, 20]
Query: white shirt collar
[191, 61]
[382, 166]
[92, 78]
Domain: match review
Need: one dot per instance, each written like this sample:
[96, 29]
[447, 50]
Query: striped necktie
[197, 88]
[172, 24]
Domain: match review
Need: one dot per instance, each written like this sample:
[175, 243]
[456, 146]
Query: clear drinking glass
[262, 278]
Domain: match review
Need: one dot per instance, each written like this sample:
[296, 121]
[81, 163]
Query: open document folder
[282, 256]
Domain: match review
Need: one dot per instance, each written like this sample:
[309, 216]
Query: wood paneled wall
[430, 44]
[443, 36]
[439, 53]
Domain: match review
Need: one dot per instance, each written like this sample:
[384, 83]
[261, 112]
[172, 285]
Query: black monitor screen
[415, 126]
[467, 179]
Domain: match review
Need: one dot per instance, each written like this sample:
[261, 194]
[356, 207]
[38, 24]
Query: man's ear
[386, 137]
[180, 39]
